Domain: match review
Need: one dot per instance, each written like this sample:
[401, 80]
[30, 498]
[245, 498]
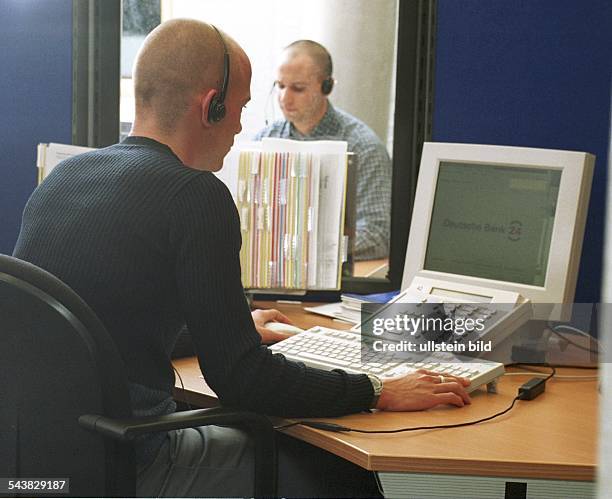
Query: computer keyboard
[329, 349]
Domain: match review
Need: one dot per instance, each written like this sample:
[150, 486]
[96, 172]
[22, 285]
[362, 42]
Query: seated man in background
[150, 239]
[304, 81]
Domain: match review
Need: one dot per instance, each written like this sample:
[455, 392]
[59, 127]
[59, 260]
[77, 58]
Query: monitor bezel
[568, 228]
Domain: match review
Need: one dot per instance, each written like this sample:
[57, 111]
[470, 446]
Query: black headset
[216, 108]
[327, 85]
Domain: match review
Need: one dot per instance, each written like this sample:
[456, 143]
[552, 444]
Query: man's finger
[440, 377]
[452, 387]
[432, 378]
[269, 337]
[274, 315]
[449, 398]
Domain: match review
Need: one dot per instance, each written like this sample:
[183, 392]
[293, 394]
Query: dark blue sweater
[150, 245]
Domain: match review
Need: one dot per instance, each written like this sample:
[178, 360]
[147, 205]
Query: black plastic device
[533, 388]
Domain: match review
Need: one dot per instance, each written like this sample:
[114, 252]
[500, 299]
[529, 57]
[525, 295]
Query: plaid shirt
[373, 190]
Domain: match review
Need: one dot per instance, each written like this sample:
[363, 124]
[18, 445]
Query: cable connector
[532, 389]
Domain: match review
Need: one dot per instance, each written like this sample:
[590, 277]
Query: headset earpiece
[216, 110]
[327, 85]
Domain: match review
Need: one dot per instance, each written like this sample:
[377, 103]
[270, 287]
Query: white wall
[360, 35]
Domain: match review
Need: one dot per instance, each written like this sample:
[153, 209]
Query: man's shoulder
[354, 124]
[123, 166]
[357, 133]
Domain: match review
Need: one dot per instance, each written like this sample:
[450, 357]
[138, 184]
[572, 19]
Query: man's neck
[308, 126]
[152, 132]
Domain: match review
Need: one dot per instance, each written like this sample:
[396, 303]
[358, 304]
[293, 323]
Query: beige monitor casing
[568, 227]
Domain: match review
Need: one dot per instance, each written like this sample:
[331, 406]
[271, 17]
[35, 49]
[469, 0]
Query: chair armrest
[129, 428]
[257, 426]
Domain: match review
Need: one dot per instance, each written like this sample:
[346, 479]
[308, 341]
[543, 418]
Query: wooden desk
[548, 443]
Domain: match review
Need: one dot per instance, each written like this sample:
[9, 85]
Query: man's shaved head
[317, 52]
[303, 81]
[178, 59]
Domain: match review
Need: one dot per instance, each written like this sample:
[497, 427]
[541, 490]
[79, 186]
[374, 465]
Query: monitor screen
[493, 221]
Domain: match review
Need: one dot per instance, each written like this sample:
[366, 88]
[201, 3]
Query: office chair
[65, 411]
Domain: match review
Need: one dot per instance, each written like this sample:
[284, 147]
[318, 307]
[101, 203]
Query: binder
[291, 201]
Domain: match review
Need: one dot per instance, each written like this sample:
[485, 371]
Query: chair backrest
[58, 362]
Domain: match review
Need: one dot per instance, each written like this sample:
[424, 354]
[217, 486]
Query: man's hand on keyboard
[422, 390]
[268, 337]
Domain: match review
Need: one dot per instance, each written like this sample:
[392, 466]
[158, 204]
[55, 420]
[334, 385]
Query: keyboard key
[314, 356]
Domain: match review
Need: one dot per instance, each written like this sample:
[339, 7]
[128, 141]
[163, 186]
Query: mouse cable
[334, 427]
[182, 387]
[320, 425]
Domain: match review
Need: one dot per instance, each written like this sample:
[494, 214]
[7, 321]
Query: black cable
[378, 484]
[595, 367]
[339, 428]
[553, 372]
[544, 364]
[322, 425]
[182, 387]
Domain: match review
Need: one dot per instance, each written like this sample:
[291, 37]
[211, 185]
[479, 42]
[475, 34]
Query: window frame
[96, 57]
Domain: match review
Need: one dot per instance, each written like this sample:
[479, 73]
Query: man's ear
[205, 101]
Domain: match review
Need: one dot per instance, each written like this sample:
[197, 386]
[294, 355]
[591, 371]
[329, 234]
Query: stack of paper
[351, 304]
[290, 197]
[349, 309]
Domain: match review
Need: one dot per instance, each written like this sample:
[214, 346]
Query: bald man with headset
[150, 239]
[303, 84]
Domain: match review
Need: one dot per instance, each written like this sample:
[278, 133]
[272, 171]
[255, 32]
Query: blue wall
[532, 73]
[35, 97]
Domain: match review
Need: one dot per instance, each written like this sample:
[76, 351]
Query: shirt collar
[328, 126]
[146, 141]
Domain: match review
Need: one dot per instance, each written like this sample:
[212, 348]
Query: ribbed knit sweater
[151, 244]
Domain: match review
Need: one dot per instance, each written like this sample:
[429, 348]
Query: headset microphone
[268, 103]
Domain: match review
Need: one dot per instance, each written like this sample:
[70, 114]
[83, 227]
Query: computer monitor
[506, 218]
